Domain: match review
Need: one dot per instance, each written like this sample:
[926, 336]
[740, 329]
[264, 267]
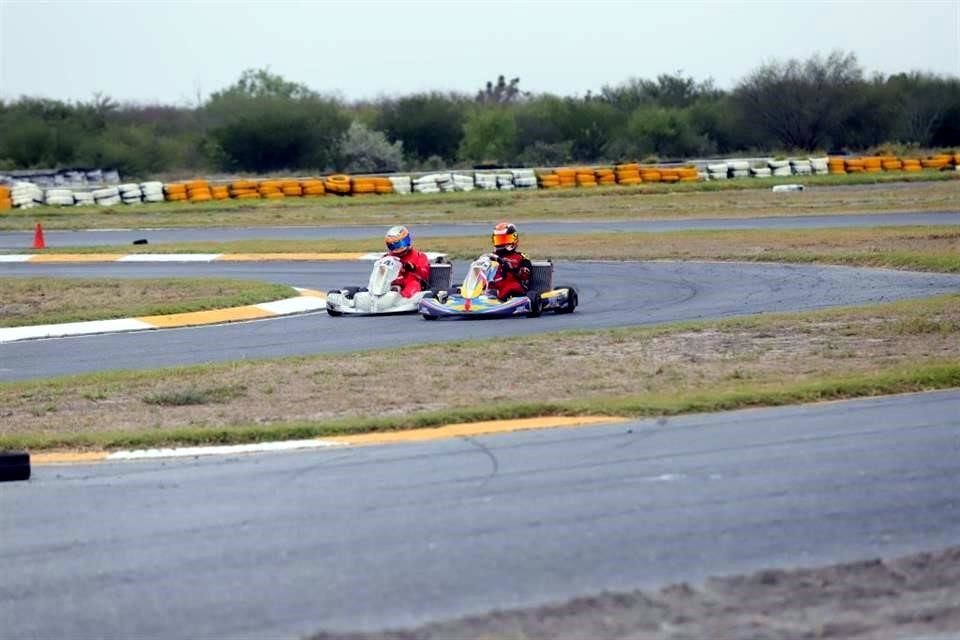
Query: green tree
[428, 124]
[364, 150]
[800, 105]
[489, 136]
[264, 123]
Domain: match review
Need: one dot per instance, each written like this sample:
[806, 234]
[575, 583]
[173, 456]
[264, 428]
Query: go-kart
[379, 297]
[473, 299]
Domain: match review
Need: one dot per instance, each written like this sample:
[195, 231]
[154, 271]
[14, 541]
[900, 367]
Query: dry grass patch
[761, 353]
[29, 301]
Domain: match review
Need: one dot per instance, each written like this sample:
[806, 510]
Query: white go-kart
[379, 297]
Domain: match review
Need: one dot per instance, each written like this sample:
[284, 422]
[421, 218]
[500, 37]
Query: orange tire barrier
[6, 203]
[292, 191]
[892, 165]
[198, 184]
[247, 195]
[220, 193]
[243, 184]
[175, 188]
[4, 191]
[650, 175]
[272, 195]
[176, 197]
[201, 196]
[631, 181]
[337, 184]
[632, 166]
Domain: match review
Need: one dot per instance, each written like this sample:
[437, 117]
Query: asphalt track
[282, 545]
[13, 241]
[612, 294]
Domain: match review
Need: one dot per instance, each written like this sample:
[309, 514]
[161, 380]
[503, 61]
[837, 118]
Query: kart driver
[513, 274]
[415, 266]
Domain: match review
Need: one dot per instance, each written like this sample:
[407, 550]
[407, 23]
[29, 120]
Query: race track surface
[612, 294]
[283, 545]
[15, 241]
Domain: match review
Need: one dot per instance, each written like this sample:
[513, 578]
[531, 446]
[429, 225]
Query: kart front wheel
[571, 302]
[333, 312]
[427, 316]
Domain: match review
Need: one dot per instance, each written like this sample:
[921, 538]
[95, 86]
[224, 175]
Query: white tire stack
[426, 184]
[25, 195]
[58, 198]
[801, 167]
[111, 176]
[401, 184]
[152, 191]
[486, 180]
[130, 193]
[462, 182]
[780, 167]
[821, 166]
[739, 168]
[83, 199]
[761, 172]
[505, 181]
[718, 171]
[445, 182]
[524, 178]
[107, 197]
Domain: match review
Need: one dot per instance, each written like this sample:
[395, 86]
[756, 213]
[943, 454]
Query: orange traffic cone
[38, 242]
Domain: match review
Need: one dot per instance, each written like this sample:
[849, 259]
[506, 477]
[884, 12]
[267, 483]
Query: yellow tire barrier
[272, 195]
[243, 184]
[892, 165]
[175, 188]
[201, 196]
[650, 176]
[176, 197]
[631, 181]
[247, 195]
[198, 184]
[220, 193]
[292, 191]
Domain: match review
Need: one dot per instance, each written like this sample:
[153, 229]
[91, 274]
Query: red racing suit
[513, 275]
[414, 273]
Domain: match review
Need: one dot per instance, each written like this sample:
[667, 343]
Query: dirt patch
[770, 352]
[876, 599]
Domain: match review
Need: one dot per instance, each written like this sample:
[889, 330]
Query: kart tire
[334, 313]
[14, 465]
[535, 305]
[427, 316]
[571, 303]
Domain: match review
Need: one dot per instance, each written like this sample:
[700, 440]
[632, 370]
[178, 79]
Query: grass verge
[765, 360]
[927, 248]
[32, 301]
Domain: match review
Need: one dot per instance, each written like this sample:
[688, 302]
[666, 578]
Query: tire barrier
[25, 194]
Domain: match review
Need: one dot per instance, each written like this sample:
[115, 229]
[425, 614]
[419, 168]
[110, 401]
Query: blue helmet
[398, 240]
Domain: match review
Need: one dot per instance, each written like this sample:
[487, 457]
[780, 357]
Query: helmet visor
[396, 245]
[503, 239]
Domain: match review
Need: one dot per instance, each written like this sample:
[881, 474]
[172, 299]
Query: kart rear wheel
[334, 312]
[427, 316]
[535, 305]
[571, 303]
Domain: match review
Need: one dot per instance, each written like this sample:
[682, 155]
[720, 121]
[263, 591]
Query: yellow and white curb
[445, 432]
[308, 300]
[79, 258]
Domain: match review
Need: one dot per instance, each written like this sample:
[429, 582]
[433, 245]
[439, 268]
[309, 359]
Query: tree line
[265, 123]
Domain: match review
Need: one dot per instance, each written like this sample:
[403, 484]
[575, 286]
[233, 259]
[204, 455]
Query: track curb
[444, 432]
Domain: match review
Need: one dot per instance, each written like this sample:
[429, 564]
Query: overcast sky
[176, 51]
